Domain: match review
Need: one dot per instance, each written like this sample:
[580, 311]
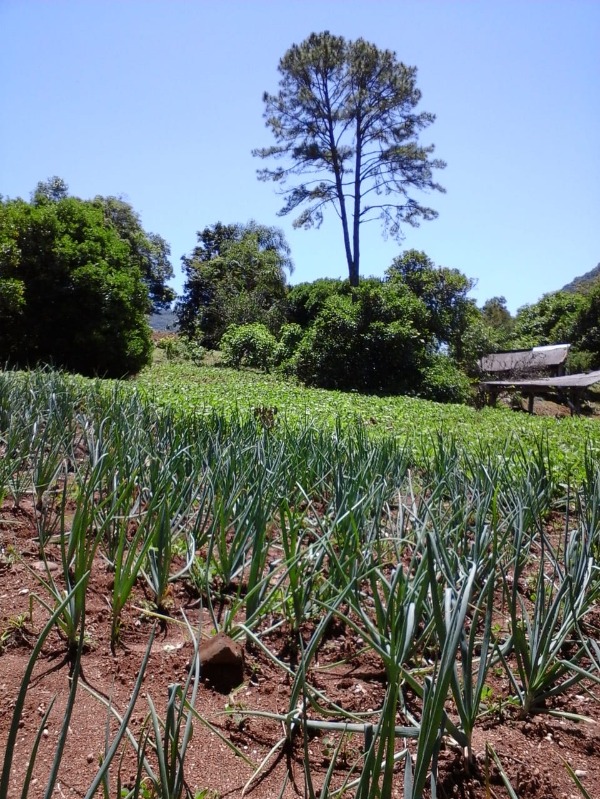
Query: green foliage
[443, 381]
[582, 361]
[306, 300]
[70, 294]
[148, 251]
[285, 355]
[345, 117]
[498, 317]
[50, 190]
[442, 290]
[234, 276]
[249, 345]
[383, 335]
[177, 348]
[12, 309]
[370, 340]
[587, 330]
[489, 329]
[551, 320]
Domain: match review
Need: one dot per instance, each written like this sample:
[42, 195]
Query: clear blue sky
[160, 101]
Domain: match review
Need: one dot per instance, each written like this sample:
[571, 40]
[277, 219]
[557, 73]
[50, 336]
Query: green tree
[236, 275]
[370, 339]
[50, 190]
[495, 314]
[70, 294]
[306, 300]
[551, 320]
[148, 251]
[443, 291]
[345, 118]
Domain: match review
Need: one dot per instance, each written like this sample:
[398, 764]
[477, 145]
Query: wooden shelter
[571, 386]
[543, 361]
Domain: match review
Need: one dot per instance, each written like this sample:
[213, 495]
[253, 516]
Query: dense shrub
[70, 294]
[286, 351]
[582, 361]
[179, 349]
[249, 345]
[305, 301]
[443, 381]
[367, 341]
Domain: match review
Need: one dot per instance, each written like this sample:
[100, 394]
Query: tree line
[78, 277]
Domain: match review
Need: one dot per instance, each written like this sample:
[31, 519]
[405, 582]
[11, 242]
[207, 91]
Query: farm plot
[207, 605]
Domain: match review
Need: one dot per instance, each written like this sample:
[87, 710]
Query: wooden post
[530, 404]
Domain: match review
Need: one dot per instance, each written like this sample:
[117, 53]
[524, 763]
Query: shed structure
[571, 386]
[549, 361]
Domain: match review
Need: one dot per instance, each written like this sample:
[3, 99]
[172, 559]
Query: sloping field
[203, 597]
[415, 422]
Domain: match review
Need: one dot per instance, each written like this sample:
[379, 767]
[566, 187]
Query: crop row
[437, 554]
[415, 423]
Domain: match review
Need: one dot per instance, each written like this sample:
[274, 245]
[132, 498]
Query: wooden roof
[568, 381]
[525, 360]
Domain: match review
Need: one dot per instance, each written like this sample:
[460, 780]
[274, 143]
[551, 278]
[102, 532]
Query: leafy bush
[180, 349]
[70, 294]
[286, 352]
[306, 300]
[582, 361]
[249, 345]
[367, 341]
[443, 381]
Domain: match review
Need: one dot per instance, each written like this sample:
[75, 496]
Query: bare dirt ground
[532, 750]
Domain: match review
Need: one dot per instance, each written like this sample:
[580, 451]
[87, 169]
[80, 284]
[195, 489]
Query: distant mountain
[584, 283]
[165, 320]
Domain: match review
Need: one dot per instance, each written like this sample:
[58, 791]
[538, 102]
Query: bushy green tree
[370, 340]
[306, 300]
[443, 291]
[69, 292]
[495, 314]
[345, 119]
[236, 275]
[249, 345]
[442, 380]
[148, 251]
[551, 320]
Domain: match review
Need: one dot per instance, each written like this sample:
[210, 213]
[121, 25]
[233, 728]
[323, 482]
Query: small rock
[580, 772]
[221, 662]
[42, 566]
[90, 758]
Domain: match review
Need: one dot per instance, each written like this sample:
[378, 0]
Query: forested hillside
[584, 283]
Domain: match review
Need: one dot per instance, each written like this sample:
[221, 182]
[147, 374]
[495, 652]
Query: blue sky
[160, 101]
